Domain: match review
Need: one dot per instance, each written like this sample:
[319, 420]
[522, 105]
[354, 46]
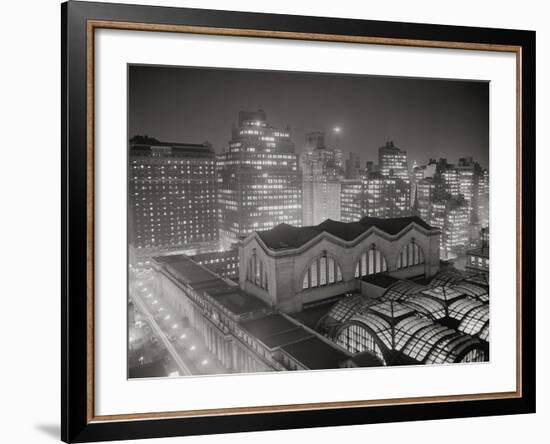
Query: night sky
[428, 118]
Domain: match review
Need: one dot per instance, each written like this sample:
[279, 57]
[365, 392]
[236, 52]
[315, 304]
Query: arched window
[371, 261]
[256, 271]
[410, 255]
[324, 270]
[356, 339]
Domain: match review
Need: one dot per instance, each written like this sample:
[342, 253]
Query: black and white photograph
[283, 221]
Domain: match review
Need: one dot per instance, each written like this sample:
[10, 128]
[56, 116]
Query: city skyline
[281, 254]
[429, 118]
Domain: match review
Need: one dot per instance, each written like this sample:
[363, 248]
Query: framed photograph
[276, 221]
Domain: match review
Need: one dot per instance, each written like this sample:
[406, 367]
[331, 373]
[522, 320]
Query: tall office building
[483, 199]
[373, 195]
[474, 186]
[392, 162]
[416, 175]
[424, 198]
[452, 217]
[259, 184]
[172, 196]
[385, 196]
[322, 171]
[353, 166]
[450, 181]
[351, 200]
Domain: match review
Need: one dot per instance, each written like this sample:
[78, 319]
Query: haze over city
[428, 118]
[359, 237]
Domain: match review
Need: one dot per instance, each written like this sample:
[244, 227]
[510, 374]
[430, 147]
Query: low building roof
[316, 354]
[199, 278]
[381, 280]
[287, 236]
[268, 325]
[275, 330]
[366, 359]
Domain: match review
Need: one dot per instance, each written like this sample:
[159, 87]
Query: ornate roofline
[337, 240]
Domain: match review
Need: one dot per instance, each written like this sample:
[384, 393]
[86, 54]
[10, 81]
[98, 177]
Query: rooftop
[199, 278]
[275, 330]
[287, 236]
[316, 354]
[366, 359]
[380, 280]
[145, 144]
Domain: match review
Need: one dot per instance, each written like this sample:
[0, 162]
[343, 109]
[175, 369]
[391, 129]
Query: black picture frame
[77, 425]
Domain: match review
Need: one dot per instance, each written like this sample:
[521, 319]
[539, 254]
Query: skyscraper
[385, 196]
[353, 166]
[451, 184]
[392, 162]
[172, 196]
[483, 199]
[452, 218]
[322, 171]
[259, 184]
[424, 198]
[351, 200]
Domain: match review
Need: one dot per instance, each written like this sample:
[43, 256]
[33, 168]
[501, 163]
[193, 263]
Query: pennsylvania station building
[333, 295]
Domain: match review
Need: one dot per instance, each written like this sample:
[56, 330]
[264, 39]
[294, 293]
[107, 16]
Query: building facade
[259, 184]
[351, 200]
[322, 171]
[239, 329]
[172, 196]
[424, 198]
[385, 196]
[353, 166]
[392, 162]
[290, 267]
[452, 217]
[223, 263]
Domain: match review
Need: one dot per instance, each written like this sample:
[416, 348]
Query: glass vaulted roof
[401, 289]
[484, 333]
[460, 308]
[443, 293]
[475, 320]
[426, 306]
[377, 324]
[346, 308]
[478, 292]
[391, 309]
[407, 328]
[446, 278]
[448, 349]
[424, 340]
